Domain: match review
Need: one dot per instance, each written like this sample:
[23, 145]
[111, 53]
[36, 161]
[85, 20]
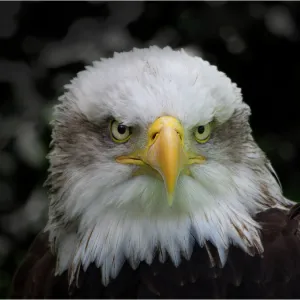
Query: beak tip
[170, 199]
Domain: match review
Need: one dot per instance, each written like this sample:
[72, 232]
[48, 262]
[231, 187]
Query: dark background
[44, 44]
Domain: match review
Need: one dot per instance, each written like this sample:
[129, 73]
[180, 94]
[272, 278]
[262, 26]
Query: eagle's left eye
[202, 133]
[119, 133]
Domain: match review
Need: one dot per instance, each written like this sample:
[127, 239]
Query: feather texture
[106, 213]
[275, 274]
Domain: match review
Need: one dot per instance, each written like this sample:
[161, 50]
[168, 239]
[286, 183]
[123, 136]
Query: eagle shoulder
[276, 273]
[35, 276]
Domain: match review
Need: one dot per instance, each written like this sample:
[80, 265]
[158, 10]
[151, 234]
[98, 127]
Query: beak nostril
[179, 134]
[154, 136]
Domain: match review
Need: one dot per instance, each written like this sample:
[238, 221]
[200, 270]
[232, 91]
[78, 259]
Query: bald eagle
[158, 190]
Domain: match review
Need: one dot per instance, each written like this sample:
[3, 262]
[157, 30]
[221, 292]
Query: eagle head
[152, 152]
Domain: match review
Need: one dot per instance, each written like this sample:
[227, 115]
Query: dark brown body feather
[275, 275]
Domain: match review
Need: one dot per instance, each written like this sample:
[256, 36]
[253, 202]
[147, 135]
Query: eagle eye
[202, 133]
[120, 133]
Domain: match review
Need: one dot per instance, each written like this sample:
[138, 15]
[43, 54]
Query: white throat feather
[143, 225]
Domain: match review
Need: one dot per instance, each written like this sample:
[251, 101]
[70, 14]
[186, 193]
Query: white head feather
[100, 213]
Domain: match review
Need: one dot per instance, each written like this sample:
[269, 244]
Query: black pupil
[122, 129]
[201, 129]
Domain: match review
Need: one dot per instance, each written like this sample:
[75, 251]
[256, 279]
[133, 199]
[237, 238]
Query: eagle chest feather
[274, 275]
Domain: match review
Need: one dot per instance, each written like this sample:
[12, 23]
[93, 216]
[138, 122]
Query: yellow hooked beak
[164, 152]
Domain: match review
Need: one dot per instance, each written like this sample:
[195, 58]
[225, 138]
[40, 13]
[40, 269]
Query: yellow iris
[202, 133]
[119, 133]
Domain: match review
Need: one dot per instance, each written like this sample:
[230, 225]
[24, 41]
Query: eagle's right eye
[202, 133]
[119, 133]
